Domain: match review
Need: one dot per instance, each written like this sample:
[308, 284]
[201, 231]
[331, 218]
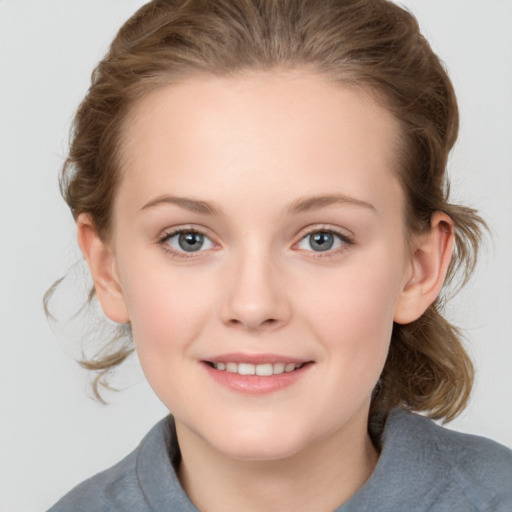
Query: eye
[187, 241]
[322, 241]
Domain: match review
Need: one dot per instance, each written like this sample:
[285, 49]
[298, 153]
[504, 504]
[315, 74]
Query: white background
[51, 434]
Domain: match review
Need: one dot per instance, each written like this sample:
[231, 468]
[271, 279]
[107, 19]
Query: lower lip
[255, 384]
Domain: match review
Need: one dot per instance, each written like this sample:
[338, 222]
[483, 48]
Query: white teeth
[246, 369]
[230, 367]
[289, 367]
[263, 370]
[278, 368]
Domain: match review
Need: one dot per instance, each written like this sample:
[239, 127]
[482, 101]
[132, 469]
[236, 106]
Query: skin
[248, 153]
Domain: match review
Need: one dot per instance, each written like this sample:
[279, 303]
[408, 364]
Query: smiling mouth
[262, 370]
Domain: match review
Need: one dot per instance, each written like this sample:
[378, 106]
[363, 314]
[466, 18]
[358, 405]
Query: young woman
[260, 194]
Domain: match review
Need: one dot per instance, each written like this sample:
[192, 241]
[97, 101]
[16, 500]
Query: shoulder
[475, 468]
[471, 455]
[105, 491]
[139, 483]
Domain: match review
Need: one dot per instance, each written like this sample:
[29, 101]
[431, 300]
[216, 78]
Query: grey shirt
[422, 467]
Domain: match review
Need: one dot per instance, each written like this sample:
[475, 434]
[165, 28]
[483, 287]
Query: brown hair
[372, 44]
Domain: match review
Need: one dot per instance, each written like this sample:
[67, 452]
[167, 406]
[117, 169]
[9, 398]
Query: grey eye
[189, 241]
[320, 241]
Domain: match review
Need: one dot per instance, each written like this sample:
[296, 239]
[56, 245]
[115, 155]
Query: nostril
[269, 322]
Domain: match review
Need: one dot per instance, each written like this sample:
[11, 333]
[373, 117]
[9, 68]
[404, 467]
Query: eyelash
[164, 239]
[345, 240]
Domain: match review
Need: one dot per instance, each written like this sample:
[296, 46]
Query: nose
[255, 294]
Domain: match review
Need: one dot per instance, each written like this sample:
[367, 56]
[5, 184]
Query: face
[260, 248]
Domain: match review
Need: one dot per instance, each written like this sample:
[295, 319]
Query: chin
[258, 442]
[260, 450]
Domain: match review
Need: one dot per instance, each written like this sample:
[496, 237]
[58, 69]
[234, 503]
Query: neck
[322, 477]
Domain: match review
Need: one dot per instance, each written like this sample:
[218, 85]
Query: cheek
[354, 314]
[167, 311]
[167, 314]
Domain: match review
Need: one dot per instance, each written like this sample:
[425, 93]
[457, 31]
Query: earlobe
[101, 262]
[429, 265]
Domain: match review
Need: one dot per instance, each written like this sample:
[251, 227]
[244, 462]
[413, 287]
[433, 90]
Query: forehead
[258, 131]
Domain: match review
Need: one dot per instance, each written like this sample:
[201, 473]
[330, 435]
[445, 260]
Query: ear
[101, 261]
[429, 264]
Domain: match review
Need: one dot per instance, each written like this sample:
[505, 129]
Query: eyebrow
[189, 204]
[307, 204]
[300, 205]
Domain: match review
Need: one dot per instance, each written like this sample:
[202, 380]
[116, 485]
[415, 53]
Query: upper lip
[255, 359]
